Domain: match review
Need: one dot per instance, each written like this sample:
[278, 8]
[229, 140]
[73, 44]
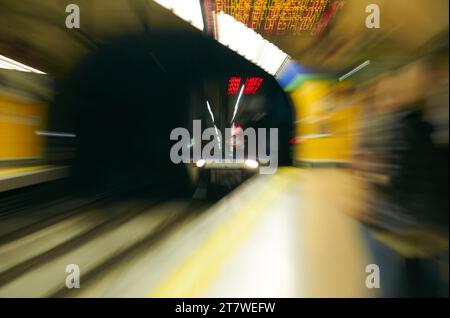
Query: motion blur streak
[10, 64]
[55, 134]
[358, 206]
[356, 69]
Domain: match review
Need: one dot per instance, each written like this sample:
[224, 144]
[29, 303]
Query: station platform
[284, 235]
[291, 234]
[15, 177]
[297, 234]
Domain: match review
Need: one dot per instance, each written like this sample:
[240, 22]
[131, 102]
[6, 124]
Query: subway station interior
[121, 125]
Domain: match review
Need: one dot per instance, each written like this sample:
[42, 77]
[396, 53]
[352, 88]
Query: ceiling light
[249, 44]
[188, 10]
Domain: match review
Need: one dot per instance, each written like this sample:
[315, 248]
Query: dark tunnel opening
[125, 98]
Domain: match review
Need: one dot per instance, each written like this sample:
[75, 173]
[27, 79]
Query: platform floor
[291, 234]
[284, 235]
[18, 177]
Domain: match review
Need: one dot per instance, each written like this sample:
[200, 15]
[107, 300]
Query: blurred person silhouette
[410, 160]
[408, 218]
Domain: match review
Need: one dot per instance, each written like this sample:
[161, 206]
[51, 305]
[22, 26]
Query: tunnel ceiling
[405, 29]
[33, 31]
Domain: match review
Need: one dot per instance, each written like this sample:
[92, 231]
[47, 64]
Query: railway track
[97, 236]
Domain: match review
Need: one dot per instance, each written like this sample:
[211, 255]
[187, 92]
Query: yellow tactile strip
[13, 171]
[334, 252]
[195, 274]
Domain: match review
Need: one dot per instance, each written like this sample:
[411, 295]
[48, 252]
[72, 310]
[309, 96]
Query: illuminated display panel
[233, 85]
[279, 16]
[252, 85]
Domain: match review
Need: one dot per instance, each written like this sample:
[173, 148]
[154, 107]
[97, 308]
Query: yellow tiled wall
[19, 120]
[325, 123]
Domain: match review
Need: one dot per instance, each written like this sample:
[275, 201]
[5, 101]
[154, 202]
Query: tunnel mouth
[123, 100]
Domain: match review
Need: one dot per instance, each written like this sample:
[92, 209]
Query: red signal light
[233, 85]
[252, 85]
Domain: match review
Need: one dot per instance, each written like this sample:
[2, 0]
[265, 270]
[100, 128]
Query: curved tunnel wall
[123, 101]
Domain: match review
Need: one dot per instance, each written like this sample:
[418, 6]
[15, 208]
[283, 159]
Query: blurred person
[410, 156]
[373, 124]
[372, 150]
[407, 215]
[437, 112]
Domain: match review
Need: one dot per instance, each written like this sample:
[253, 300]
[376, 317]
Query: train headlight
[200, 163]
[252, 164]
